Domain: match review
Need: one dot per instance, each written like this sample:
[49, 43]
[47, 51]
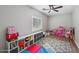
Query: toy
[11, 36]
[33, 48]
[21, 43]
[36, 48]
[28, 38]
[58, 32]
[11, 33]
[69, 34]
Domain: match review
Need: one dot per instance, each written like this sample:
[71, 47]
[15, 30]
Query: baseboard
[3, 51]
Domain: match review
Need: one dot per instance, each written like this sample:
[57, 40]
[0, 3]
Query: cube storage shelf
[24, 42]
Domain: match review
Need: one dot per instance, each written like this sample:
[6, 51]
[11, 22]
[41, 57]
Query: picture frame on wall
[36, 23]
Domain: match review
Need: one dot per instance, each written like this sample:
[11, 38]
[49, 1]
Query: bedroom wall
[21, 18]
[60, 20]
[75, 16]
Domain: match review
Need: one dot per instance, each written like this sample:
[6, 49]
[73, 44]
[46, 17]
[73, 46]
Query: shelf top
[22, 37]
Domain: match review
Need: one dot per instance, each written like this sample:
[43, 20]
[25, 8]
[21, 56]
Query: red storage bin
[21, 43]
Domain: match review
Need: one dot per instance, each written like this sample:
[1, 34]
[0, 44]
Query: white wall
[21, 17]
[60, 20]
[75, 16]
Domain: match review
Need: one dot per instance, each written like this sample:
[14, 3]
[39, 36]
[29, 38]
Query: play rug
[48, 48]
[56, 45]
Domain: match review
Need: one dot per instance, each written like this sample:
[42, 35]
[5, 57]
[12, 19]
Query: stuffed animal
[68, 34]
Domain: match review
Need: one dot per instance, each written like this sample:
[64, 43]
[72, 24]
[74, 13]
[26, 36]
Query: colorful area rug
[57, 45]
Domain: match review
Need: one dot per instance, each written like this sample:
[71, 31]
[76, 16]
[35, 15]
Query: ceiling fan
[53, 7]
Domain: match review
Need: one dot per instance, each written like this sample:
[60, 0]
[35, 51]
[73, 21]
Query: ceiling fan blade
[45, 9]
[58, 7]
[49, 11]
[56, 10]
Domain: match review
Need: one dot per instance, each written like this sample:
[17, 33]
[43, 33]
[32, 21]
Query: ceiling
[64, 10]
